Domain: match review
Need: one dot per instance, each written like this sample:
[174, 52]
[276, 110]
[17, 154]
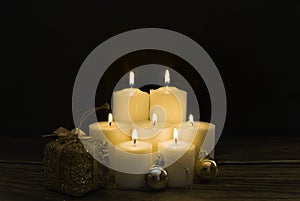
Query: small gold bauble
[206, 168]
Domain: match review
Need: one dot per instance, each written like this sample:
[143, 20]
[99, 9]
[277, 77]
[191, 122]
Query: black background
[251, 42]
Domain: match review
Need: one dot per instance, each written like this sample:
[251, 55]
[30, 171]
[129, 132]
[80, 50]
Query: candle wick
[154, 122]
[192, 123]
[176, 140]
[134, 141]
[109, 124]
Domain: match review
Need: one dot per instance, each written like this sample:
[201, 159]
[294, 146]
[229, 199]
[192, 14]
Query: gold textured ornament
[206, 168]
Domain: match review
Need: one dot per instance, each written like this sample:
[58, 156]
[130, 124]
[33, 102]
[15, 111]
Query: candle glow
[175, 135]
[131, 78]
[110, 119]
[154, 119]
[191, 119]
[135, 116]
[167, 77]
[134, 136]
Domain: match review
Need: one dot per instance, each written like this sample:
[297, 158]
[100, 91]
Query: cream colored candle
[131, 159]
[153, 131]
[196, 132]
[130, 104]
[171, 99]
[181, 156]
[110, 131]
[210, 138]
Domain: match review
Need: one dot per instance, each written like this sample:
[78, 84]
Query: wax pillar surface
[209, 140]
[196, 133]
[114, 133]
[130, 105]
[172, 100]
[133, 160]
[186, 154]
[153, 133]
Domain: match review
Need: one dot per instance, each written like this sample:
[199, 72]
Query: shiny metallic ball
[156, 178]
[206, 168]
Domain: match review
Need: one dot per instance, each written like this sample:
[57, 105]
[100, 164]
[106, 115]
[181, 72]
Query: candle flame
[191, 119]
[131, 78]
[167, 77]
[134, 135]
[175, 135]
[110, 118]
[154, 119]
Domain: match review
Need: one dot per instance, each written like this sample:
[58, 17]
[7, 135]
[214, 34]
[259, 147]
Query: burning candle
[110, 119]
[179, 160]
[130, 104]
[110, 131]
[167, 77]
[153, 131]
[132, 159]
[171, 99]
[131, 79]
[201, 134]
[191, 119]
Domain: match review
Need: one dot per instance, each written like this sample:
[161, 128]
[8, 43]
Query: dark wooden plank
[258, 149]
[236, 181]
[250, 169]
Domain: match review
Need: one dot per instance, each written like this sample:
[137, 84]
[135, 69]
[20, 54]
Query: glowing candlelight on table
[131, 79]
[191, 119]
[175, 135]
[153, 131]
[131, 159]
[107, 131]
[134, 147]
[134, 136]
[130, 104]
[167, 77]
[170, 100]
[154, 119]
[201, 134]
[110, 119]
[179, 156]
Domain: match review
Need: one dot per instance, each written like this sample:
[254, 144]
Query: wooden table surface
[249, 169]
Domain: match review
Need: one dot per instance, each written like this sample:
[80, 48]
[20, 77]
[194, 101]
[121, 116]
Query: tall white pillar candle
[171, 100]
[210, 137]
[181, 156]
[196, 132]
[131, 159]
[130, 104]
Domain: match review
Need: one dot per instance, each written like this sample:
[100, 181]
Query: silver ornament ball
[156, 178]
